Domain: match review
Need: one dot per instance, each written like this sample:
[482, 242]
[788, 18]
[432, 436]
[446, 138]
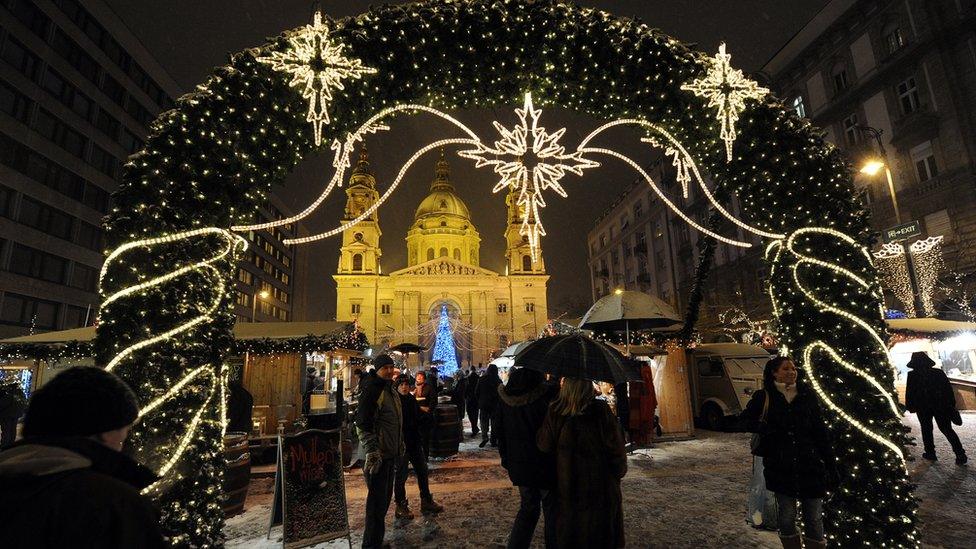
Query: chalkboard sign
[310, 494]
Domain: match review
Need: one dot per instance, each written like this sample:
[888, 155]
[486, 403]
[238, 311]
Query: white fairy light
[927, 257]
[530, 159]
[893, 265]
[176, 388]
[726, 89]
[315, 63]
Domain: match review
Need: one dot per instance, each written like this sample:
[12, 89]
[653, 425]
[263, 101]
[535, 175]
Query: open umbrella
[625, 310]
[513, 350]
[407, 348]
[576, 355]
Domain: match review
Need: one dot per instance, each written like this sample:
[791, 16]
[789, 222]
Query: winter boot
[961, 459]
[484, 443]
[430, 507]
[403, 511]
[930, 456]
[813, 543]
[791, 542]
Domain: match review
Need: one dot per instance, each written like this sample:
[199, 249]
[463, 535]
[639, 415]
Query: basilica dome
[442, 201]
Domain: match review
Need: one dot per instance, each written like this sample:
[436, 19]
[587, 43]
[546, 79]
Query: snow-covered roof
[933, 325]
[730, 349]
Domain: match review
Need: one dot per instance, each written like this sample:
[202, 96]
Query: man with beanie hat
[67, 483]
[379, 422]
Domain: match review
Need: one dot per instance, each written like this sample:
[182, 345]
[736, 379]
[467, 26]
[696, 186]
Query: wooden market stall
[951, 344]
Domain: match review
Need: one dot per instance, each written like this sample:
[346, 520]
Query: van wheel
[713, 417]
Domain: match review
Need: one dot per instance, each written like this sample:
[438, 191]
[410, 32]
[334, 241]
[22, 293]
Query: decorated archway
[166, 316]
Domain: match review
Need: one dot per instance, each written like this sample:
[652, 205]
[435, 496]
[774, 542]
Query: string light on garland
[317, 64]
[893, 264]
[530, 160]
[726, 89]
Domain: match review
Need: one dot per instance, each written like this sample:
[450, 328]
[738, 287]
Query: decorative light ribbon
[801, 260]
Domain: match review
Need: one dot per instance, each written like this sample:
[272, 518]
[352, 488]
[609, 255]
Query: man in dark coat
[240, 408]
[414, 456]
[458, 393]
[471, 398]
[487, 401]
[929, 394]
[379, 422]
[67, 483]
[12, 405]
[425, 393]
[522, 407]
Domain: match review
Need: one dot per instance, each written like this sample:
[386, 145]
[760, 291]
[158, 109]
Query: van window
[711, 368]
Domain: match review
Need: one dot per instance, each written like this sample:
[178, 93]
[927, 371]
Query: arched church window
[357, 262]
[443, 253]
[457, 254]
[430, 254]
[526, 263]
[443, 223]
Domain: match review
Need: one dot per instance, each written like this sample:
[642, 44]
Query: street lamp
[874, 165]
[263, 294]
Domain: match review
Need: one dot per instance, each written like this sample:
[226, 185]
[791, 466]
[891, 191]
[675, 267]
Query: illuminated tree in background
[444, 345]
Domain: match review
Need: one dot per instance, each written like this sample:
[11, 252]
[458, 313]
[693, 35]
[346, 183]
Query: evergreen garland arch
[211, 161]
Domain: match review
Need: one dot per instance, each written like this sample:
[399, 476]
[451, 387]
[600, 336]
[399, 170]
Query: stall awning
[930, 325]
[242, 331]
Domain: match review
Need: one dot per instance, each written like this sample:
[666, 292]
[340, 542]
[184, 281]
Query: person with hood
[798, 458]
[240, 408]
[471, 398]
[67, 482]
[929, 395]
[12, 405]
[414, 456]
[487, 401]
[379, 423]
[522, 407]
[584, 438]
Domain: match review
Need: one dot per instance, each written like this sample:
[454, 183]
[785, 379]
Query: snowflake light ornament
[529, 160]
[316, 63]
[726, 89]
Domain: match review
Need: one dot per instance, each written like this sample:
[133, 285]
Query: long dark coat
[471, 387]
[798, 459]
[74, 492]
[488, 389]
[928, 391]
[590, 461]
[521, 410]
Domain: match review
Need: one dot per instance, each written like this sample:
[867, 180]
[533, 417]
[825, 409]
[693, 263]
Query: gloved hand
[372, 465]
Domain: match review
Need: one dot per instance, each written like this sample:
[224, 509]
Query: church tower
[360, 252]
[518, 253]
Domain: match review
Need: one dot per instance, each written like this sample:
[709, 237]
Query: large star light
[316, 64]
[727, 90]
[529, 160]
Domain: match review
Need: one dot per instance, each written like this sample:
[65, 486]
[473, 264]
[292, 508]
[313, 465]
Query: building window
[840, 78]
[457, 254]
[37, 264]
[798, 106]
[243, 299]
[526, 263]
[442, 253]
[357, 262]
[44, 218]
[603, 241]
[924, 161]
[27, 311]
[852, 133]
[502, 307]
[83, 277]
[20, 58]
[386, 308]
[356, 308]
[14, 103]
[245, 276]
[908, 95]
[430, 254]
[638, 209]
[893, 39]
[529, 307]
[938, 224]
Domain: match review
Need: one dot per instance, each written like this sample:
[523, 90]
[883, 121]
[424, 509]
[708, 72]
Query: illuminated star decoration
[316, 64]
[726, 89]
[530, 160]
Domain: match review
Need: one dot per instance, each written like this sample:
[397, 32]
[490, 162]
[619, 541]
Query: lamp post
[263, 294]
[874, 165]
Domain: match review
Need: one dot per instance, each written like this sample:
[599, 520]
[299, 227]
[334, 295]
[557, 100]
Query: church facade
[488, 310]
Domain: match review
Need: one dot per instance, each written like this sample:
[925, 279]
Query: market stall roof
[242, 331]
[931, 325]
[730, 349]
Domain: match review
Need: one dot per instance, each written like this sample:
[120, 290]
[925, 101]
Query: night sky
[190, 37]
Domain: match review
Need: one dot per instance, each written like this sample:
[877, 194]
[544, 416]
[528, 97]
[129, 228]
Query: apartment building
[77, 94]
[906, 69]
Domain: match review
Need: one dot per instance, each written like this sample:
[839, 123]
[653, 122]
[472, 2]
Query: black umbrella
[576, 355]
[407, 348]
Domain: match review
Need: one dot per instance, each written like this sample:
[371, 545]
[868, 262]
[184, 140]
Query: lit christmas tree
[444, 346]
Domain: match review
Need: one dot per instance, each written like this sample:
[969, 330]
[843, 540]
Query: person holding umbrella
[583, 436]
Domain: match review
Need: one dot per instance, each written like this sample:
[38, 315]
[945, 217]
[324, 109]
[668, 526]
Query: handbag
[757, 438]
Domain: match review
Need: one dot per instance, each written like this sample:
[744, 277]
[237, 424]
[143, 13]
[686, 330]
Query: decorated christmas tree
[444, 345]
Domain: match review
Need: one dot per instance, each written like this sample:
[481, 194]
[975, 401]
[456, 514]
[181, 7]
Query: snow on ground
[677, 494]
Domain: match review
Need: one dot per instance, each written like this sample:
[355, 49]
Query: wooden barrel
[237, 473]
[447, 431]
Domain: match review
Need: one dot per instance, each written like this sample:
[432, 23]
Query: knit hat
[80, 401]
[382, 360]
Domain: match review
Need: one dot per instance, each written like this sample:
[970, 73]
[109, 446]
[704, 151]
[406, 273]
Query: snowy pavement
[676, 494]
